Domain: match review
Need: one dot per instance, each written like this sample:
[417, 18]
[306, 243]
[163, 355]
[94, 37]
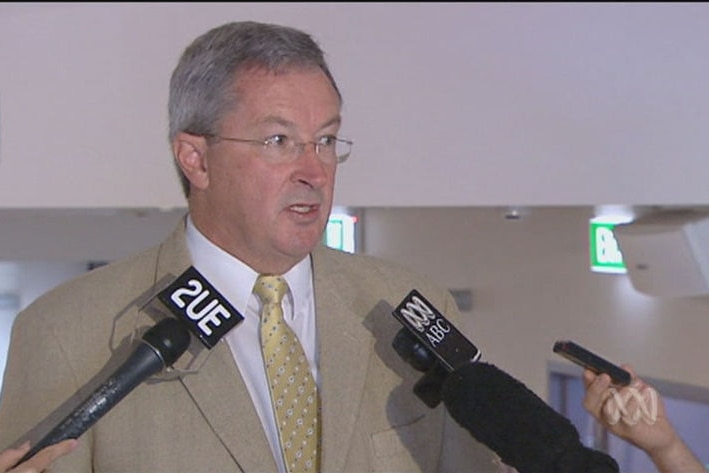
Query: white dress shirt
[235, 281]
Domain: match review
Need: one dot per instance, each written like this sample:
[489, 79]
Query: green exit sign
[340, 232]
[605, 252]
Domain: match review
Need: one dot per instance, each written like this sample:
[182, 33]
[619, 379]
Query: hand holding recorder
[619, 401]
[631, 409]
[658, 438]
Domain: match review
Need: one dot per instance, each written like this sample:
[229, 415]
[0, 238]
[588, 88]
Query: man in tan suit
[254, 122]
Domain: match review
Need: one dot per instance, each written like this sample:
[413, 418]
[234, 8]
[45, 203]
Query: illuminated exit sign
[340, 232]
[605, 252]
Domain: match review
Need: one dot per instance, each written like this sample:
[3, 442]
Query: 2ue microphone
[198, 308]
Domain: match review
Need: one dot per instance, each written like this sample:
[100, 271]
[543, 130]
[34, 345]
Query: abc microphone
[431, 344]
[160, 346]
[495, 408]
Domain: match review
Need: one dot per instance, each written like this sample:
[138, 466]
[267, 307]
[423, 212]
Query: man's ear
[190, 153]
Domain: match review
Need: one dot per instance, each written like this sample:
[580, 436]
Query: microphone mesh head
[170, 337]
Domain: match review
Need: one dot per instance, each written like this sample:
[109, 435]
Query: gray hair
[201, 86]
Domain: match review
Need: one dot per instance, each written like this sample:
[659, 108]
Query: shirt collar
[234, 279]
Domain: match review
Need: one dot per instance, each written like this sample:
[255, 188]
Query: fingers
[12, 455]
[41, 460]
[596, 392]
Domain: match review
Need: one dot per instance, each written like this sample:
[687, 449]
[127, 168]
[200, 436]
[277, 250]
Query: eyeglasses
[283, 148]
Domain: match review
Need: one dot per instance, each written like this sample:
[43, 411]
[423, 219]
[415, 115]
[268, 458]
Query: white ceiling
[449, 103]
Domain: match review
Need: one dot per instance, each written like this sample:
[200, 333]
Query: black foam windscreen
[502, 413]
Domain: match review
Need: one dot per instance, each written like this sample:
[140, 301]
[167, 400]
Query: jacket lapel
[222, 397]
[218, 388]
[345, 345]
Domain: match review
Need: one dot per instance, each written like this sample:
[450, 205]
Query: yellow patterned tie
[293, 391]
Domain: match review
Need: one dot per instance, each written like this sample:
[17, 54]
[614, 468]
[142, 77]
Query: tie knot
[271, 289]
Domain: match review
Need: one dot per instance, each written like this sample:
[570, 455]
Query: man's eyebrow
[274, 119]
[333, 121]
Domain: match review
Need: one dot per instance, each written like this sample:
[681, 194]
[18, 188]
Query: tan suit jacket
[206, 422]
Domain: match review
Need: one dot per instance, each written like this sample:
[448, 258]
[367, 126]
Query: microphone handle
[142, 363]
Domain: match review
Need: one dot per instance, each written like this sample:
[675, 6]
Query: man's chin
[300, 247]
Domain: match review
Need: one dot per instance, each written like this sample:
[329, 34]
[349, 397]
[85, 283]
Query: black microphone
[430, 343]
[411, 350]
[434, 332]
[495, 408]
[198, 308]
[160, 346]
[503, 414]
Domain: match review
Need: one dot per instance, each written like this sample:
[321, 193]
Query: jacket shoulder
[379, 278]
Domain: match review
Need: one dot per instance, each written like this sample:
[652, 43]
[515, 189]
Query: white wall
[22, 282]
[87, 234]
[531, 285]
[450, 104]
